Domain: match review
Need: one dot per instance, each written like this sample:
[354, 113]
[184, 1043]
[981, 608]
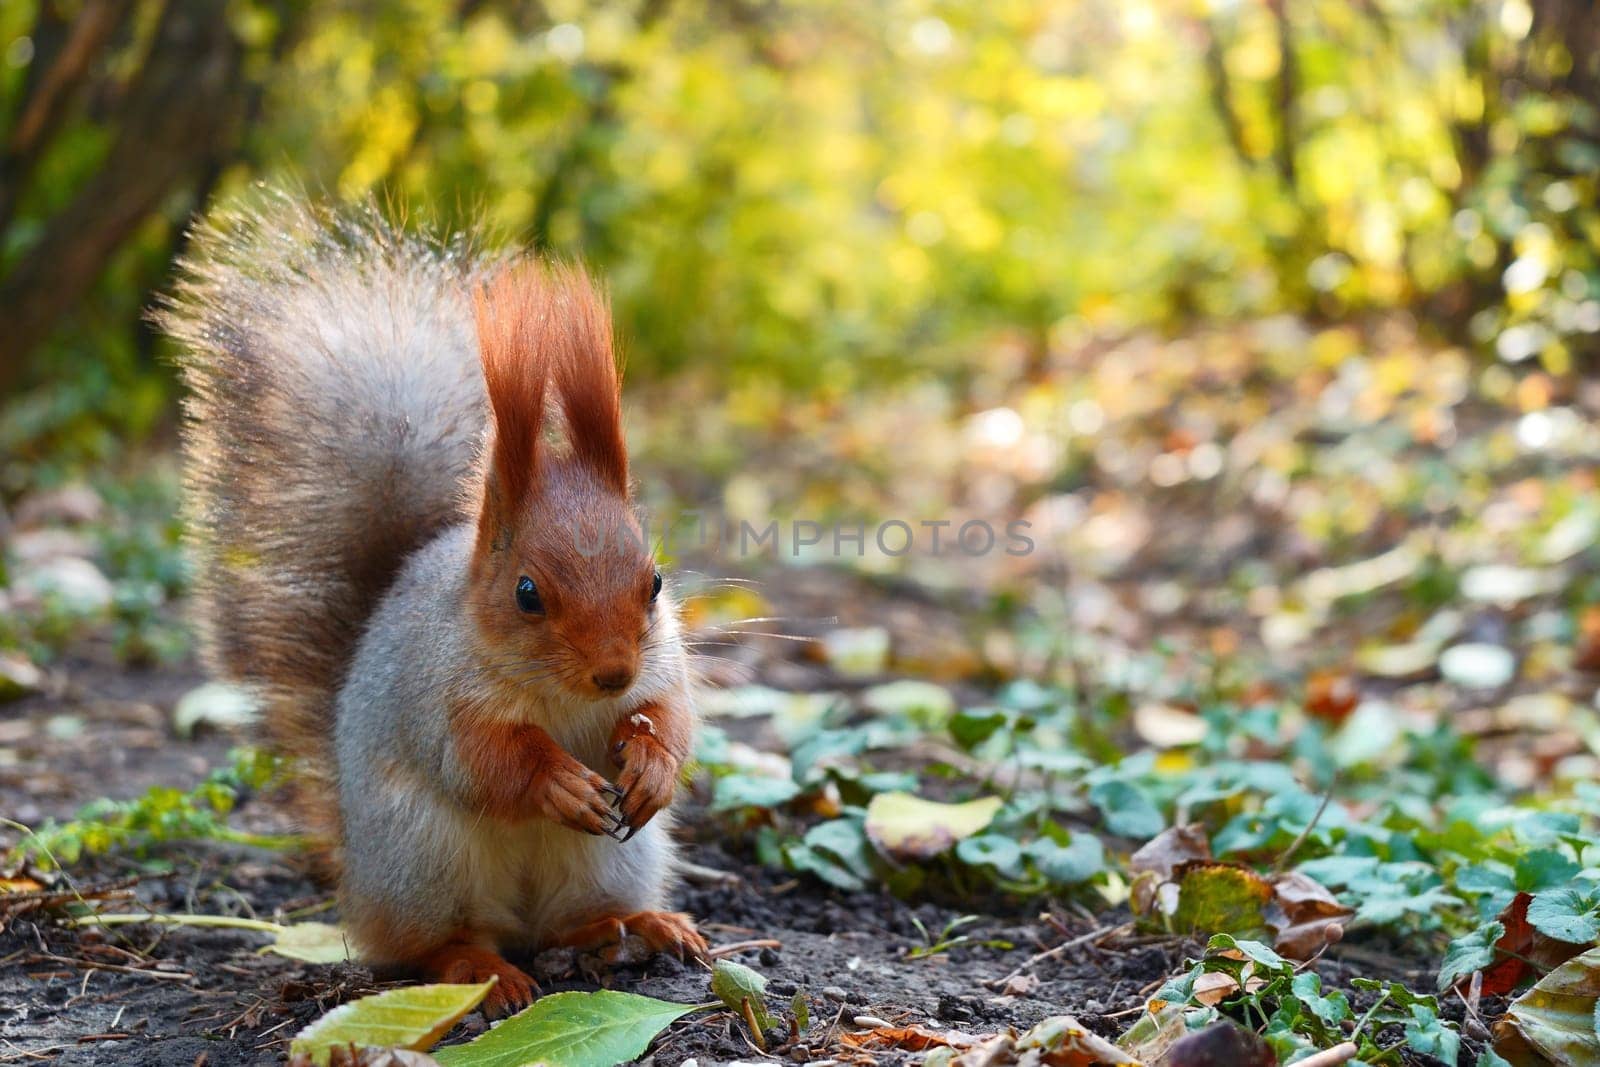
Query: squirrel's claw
[617, 826]
[613, 792]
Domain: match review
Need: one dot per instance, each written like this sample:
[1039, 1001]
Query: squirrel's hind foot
[463, 962]
[661, 931]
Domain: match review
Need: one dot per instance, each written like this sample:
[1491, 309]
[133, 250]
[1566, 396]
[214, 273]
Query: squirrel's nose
[612, 679]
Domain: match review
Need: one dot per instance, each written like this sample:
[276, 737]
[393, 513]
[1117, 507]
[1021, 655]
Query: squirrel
[453, 621]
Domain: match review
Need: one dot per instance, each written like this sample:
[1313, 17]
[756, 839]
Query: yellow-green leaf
[904, 826]
[411, 1018]
[1220, 898]
[312, 943]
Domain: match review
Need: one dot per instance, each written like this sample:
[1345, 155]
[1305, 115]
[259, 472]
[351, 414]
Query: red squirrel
[452, 619]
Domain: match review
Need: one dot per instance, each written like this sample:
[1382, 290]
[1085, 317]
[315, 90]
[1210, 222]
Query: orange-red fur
[662, 931]
[461, 960]
[546, 329]
[650, 746]
[519, 772]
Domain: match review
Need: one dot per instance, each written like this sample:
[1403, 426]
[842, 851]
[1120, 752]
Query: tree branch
[1288, 96]
[1222, 94]
[52, 83]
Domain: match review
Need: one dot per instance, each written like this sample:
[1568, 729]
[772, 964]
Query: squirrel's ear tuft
[584, 365]
[513, 312]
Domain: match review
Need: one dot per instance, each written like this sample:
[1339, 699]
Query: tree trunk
[180, 113]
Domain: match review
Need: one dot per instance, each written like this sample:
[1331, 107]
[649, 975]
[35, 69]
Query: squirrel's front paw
[649, 772]
[576, 797]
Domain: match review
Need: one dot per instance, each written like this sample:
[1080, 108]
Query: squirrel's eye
[655, 588]
[528, 597]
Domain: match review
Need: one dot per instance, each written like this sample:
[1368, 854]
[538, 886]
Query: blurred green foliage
[824, 195]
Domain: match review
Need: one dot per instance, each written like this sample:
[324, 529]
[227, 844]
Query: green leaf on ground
[734, 983]
[927, 704]
[1079, 860]
[597, 1029]
[835, 851]
[971, 727]
[735, 791]
[1428, 1034]
[411, 1018]
[1471, 952]
[1254, 951]
[992, 850]
[1570, 914]
[1127, 809]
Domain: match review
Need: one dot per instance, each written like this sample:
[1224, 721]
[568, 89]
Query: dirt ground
[181, 996]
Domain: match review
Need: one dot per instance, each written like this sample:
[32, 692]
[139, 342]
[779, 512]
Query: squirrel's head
[564, 588]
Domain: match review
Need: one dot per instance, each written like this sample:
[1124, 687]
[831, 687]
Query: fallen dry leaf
[1522, 951]
[1176, 878]
[1167, 726]
[1213, 987]
[1586, 657]
[1059, 1041]
[1554, 1022]
[1156, 862]
[1331, 696]
[352, 1056]
[906, 827]
[907, 1038]
[1019, 985]
[1062, 1041]
[1304, 916]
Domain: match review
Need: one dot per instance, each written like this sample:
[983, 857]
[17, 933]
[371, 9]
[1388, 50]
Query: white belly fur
[536, 880]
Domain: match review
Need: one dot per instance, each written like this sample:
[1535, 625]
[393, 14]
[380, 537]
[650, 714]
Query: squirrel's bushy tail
[334, 414]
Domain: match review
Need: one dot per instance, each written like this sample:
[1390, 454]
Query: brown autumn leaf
[1331, 696]
[1154, 866]
[1522, 951]
[1062, 1041]
[1304, 916]
[1213, 987]
[1176, 878]
[1586, 656]
[906, 1038]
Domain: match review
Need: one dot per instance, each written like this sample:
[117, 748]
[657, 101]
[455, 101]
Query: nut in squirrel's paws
[470, 964]
[648, 780]
[576, 797]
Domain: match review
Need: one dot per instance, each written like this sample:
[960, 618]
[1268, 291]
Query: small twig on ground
[174, 976]
[1331, 1057]
[1124, 1013]
[741, 946]
[20, 1053]
[1473, 1023]
[1294, 846]
[695, 874]
[1096, 934]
